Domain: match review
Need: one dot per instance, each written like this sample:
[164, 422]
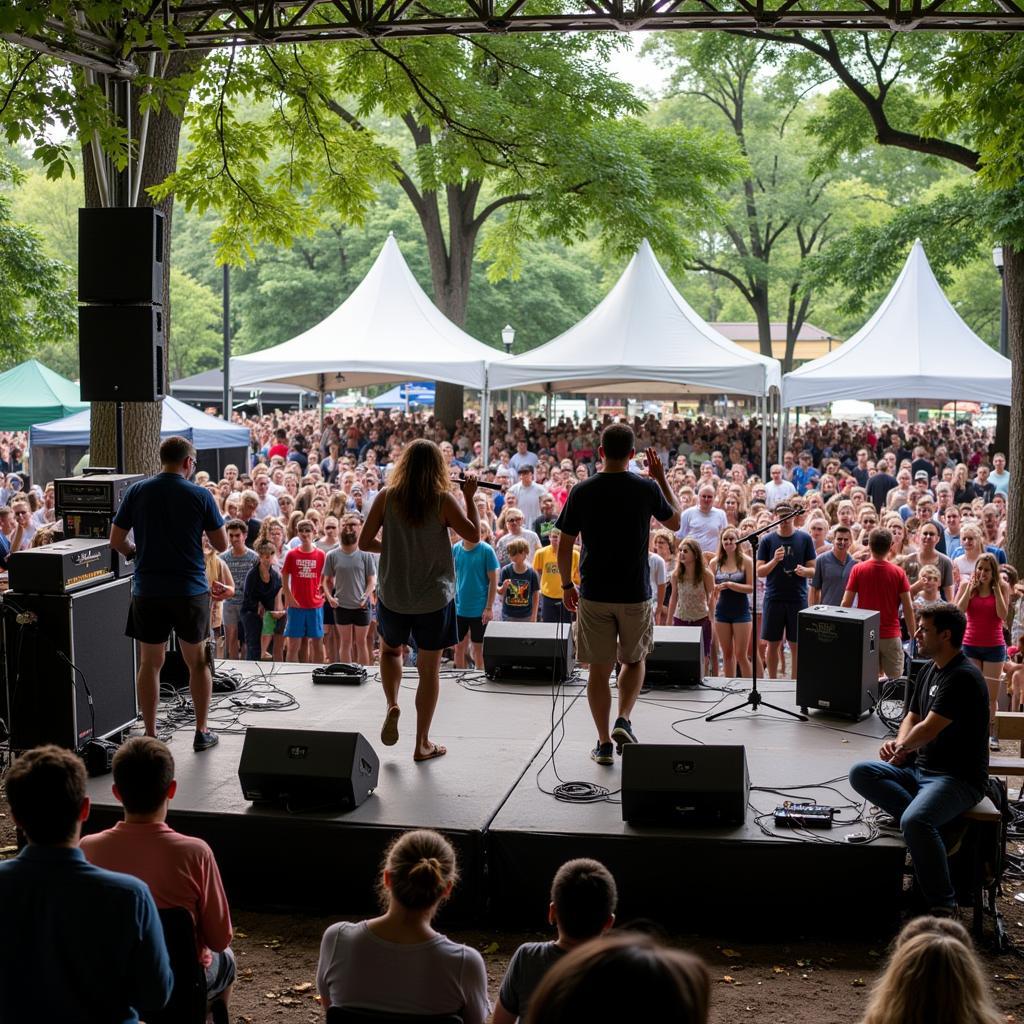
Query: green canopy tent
[33, 393]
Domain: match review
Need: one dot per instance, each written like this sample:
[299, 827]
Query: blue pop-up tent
[56, 447]
[396, 397]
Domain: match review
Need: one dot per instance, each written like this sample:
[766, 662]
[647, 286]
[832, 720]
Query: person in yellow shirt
[545, 564]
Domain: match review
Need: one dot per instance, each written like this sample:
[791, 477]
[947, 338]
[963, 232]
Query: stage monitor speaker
[121, 353]
[121, 255]
[684, 784]
[539, 652]
[47, 699]
[838, 668]
[304, 768]
[677, 658]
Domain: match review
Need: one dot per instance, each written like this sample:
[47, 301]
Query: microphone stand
[753, 698]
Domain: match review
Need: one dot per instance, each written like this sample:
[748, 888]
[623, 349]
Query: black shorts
[432, 631]
[151, 619]
[778, 618]
[328, 614]
[351, 616]
[472, 624]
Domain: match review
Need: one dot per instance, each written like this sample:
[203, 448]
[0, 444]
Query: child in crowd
[520, 586]
[300, 580]
[262, 603]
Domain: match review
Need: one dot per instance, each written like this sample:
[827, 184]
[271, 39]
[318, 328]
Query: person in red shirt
[180, 870]
[881, 586]
[280, 445]
[303, 596]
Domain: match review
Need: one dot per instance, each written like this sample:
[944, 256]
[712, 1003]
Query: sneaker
[205, 740]
[993, 743]
[622, 734]
[602, 753]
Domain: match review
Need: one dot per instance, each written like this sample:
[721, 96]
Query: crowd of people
[123, 881]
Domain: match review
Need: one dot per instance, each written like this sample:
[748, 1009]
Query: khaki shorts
[606, 632]
[890, 657]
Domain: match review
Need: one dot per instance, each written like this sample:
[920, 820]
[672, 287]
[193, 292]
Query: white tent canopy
[643, 338]
[386, 330]
[915, 346]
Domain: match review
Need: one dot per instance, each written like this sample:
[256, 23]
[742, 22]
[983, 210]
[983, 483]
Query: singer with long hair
[416, 578]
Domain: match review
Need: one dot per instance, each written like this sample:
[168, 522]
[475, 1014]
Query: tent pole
[485, 425]
[323, 401]
[764, 437]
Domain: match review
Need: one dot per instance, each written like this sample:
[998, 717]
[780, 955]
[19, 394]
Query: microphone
[481, 484]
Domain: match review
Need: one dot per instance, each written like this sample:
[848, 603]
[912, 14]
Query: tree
[196, 343]
[506, 138]
[37, 304]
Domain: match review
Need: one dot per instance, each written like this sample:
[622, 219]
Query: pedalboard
[793, 815]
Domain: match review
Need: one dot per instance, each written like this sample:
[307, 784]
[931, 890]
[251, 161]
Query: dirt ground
[793, 983]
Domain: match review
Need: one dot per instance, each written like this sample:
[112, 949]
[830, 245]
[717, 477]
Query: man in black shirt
[880, 485]
[612, 511]
[937, 766]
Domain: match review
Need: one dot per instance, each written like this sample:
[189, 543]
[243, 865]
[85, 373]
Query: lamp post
[508, 335]
[1002, 412]
[226, 326]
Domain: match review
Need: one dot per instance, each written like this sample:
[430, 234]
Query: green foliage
[37, 305]
[196, 338]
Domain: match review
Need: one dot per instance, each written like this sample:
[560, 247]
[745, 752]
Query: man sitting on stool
[937, 766]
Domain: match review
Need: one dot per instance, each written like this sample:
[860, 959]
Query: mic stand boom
[754, 699]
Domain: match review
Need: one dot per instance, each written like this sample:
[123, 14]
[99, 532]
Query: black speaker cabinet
[121, 353]
[539, 652]
[838, 666]
[46, 697]
[306, 769]
[684, 784]
[677, 658]
[121, 255]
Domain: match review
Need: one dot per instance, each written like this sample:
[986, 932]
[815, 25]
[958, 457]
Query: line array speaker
[121, 255]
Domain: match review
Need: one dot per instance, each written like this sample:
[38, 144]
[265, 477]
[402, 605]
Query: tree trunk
[1013, 268]
[142, 419]
[764, 323]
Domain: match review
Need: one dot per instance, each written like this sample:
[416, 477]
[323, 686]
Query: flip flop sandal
[435, 751]
[389, 731]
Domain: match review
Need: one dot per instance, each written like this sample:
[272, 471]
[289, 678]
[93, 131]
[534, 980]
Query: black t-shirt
[878, 487]
[860, 475]
[612, 513]
[782, 583]
[957, 692]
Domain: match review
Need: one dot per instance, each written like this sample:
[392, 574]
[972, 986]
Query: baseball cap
[921, 474]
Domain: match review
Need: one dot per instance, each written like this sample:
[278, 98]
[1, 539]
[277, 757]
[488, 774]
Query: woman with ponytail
[397, 963]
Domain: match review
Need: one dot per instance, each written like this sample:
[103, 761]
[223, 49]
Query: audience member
[397, 962]
[80, 945]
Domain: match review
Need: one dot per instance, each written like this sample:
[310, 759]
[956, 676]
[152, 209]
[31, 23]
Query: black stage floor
[492, 795]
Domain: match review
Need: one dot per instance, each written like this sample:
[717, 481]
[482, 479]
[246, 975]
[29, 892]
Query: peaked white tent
[386, 330]
[915, 346]
[643, 338]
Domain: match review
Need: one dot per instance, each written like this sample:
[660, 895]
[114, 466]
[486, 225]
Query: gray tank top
[417, 572]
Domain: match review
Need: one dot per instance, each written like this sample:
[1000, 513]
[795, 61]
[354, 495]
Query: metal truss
[202, 24]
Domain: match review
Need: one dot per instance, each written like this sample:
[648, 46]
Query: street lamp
[997, 259]
[508, 335]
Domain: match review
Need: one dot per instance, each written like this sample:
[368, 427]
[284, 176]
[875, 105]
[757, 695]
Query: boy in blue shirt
[519, 587]
[476, 584]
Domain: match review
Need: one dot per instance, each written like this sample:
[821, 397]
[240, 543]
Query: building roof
[736, 331]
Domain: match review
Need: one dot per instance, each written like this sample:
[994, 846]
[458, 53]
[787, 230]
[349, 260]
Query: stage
[509, 745]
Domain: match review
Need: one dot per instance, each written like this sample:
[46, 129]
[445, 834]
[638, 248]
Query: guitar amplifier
[838, 666]
[539, 652]
[60, 568]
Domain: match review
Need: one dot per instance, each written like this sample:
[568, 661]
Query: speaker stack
[121, 316]
[539, 652]
[838, 668]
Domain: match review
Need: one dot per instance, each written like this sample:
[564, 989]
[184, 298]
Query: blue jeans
[921, 802]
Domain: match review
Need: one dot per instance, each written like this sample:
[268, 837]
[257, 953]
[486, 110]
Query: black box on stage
[60, 568]
[46, 699]
[838, 667]
[121, 353]
[304, 768]
[529, 651]
[684, 784]
[677, 658]
[121, 255]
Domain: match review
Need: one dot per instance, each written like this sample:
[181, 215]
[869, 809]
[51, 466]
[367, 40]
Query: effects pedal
[791, 815]
[345, 673]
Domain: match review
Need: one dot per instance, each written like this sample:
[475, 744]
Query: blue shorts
[304, 623]
[733, 617]
[989, 654]
[432, 631]
[778, 617]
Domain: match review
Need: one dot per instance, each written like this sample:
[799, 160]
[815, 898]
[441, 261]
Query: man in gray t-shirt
[239, 560]
[831, 570]
[351, 571]
[349, 577]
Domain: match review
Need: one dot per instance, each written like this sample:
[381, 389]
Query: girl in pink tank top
[982, 598]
